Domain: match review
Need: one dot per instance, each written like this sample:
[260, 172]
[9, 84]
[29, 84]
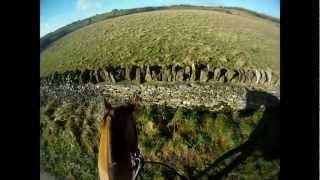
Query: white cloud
[44, 29]
[87, 4]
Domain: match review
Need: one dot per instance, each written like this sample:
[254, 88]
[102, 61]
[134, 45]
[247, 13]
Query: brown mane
[118, 139]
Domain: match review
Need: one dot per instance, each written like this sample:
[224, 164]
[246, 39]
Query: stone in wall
[203, 75]
[240, 76]
[138, 75]
[208, 66]
[269, 73]
[60, 78]
[154, 76]
[133, 72]
[119, 73]
[199, 67]
[251, 76]
[258, 76]
[210, 69]
[97, 76]
[76, 76]
[65, 76]
[52, 78]
[112, 78]
[179, 73]
[92, 78]
[266, 77]
[148, 76]
[101, 75]
[223, 77]
[85, 76]
[277, 83]
[128, 72]
[210, 73]
[173, 72]
[230, 75]
[187, 73]
[111, 71]
[143, 69]
[255, 77]
[70, 76]
[216, 74]
[156, 72]
[244, 77]
[167, 73]
[105, 74]
[193, 72]
[263, 78]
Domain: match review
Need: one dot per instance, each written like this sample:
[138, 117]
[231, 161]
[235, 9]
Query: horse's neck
[104, 152]
[122, 139]
[116, 143]
[131, 135]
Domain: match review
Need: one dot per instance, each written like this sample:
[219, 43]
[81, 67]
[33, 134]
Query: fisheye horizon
[54, 15]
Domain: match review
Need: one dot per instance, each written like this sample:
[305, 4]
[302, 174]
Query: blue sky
[57, 13]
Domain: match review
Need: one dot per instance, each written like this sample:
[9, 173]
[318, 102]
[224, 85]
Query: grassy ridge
[168, 36]
[46, 40]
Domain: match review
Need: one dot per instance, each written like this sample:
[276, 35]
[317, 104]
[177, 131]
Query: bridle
[139, 162]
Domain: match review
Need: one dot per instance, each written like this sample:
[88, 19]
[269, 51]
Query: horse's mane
[119, 140]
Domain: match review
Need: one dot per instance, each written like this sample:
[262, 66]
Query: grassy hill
[46, 40]
[224, 37]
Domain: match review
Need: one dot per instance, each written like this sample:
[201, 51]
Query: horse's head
[123, 111]
[118, 140]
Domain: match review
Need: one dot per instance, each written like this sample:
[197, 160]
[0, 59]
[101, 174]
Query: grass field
[234, 39]
[189, 140]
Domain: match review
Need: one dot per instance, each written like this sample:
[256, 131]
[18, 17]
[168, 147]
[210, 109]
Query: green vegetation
[229, 38]
[186, 139]
[51, 37]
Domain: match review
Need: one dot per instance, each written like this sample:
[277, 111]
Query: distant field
[233, 39]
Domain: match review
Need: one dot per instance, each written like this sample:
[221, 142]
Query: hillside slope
[166, 36]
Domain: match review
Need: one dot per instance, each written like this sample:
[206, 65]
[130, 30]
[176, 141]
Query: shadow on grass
[265, 138]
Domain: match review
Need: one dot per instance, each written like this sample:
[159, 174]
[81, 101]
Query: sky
[58, 13]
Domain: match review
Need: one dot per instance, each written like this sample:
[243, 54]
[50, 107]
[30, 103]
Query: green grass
[46, 40]
[167, 36]
[186, 139]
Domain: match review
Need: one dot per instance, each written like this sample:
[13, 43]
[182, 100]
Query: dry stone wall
[175, 85]
[166, 73]
[211, 96]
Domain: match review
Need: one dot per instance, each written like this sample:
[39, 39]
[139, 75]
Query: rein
[139, 164]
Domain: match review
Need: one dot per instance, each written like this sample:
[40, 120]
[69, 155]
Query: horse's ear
[136, 100]
[107, 104]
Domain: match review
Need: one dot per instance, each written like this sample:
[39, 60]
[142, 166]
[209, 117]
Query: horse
[118, 141]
